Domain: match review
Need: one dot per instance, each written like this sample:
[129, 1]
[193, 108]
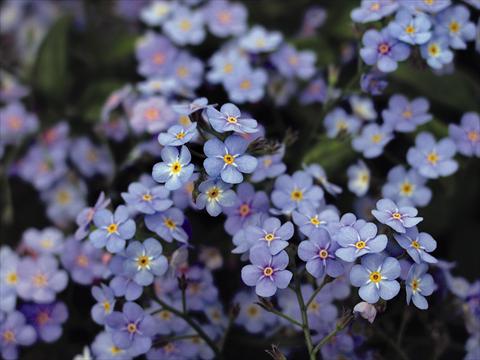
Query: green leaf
[331, 154]
[50, 71]
[93, 98]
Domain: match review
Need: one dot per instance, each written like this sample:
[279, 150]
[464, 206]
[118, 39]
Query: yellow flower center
[410, 29]
[14, 122]
[383, 48]
[407, 114]
[8, 336]
[432, 158]
[180, 135]
[341, 125]
[296, 195]
[473, 136]
[433, 50]
[182, 71]
[225, 17]
[106, 306]
[185, 25]
[159, 58]
[40, 280]
[252, 311]
[454, 27]
[184, 120]
[245, 84]
[269, 237]
[92, 156]
[229, 159]
[213, 193]
[314, 220]
[232, 119]
[323, 254]
[267, 162]
[406, 188]
[227, 68]
[313, 306]
[112, 228]
[63, 197]
[244, 210]
[396, 215]
[268, 271]
[375, 6]
[415, 285]
[12, 278]
[360, 244]
[415, 244]
[132, 327]
[364, 177]
[82, 261]
[165, 315]
[169, 223]
[293, 60]
[376, 138]
[115, 350]
[375, 277]
[147, 197]
[143, 261]
[175, 167]
[46, 243]
[151, 114]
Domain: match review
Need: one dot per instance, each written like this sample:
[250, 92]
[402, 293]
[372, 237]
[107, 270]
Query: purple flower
[437, 53]
[382, 50]
[432, 6]
[319, 253]
[373, 10]
[228, 159]
[467, 135]
[147, 200]
[259, 40]
[64, 201]
[252, 316]
[14, 332]
[167, 322]
[373, 83]
[105, 303]
[229, 118]
[215, 196]
[155, 55]
[403, 115]
[112, 229]
[200, 291]
[9, 279]
[372, 140]
[168, 225]
[47, 319]
[376, 278]
[359, 239]
[271, 234]
[291, 63]
[412, 29]
[358, 178]
[187, 71]
[16, 123]
[418, 245]
[248, 204]
[454, 23]
[246, 86]
[177, 135]
[185, 26]
[309, 220]
[152, 115]
[104, 348]
[224, 18]
[226, 64]
[406, 188]
[418, 285]
[338, 122]
[85, 217]
[39, 279]
[432, 159]
[292, 191]
[144, 261]
[132, 329]
[267, 272]
[175, 170]
[83, 261]
[398, 218]
[46, 241]
[90, 159]
[269, 166]
[316, 91]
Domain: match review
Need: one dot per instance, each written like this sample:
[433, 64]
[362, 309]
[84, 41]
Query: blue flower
[224, 18]
[454, 23]
[215, 196]
[228, 159]
[175, 170]
[373, 10]
[373, 83]
[187, 72]
[358, 178]
[144, 261]
[467, 135]
[292, 191]
[418, 245]
[363, 107]
[431, 6]
[403, 115]
[383, 50]
[269, 166]
[272, 234]
[309, 220]
[339, 122]
[14, 331]
[432, 159]
[105, 303]
[147, 200]
[112, 229]
[177, 135]
[185, 26]
[414, 30]
[406, 188]
[319, 253]
[229, 118]
[168, 225]
[372, 140]
[359, 239]
[259, 40]
[376, 277]
[247, 85]
[418, 285]
[319, 174]
[437, 53]
[398, 218]
[291, 62]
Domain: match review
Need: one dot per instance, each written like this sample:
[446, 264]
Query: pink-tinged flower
[152, 115]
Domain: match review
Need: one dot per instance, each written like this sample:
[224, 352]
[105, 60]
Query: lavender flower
[105, 303]
[132, 329]
[271, 234]
[382, 50]
[177, 135]
[147, 200]
[403, 115]
[418, 245]
[291, 63]
[175, 170]
[90, 159]
[16, 123]
[112, 229]
[246, 86]
[259, 40]
[372, 140]
[14, 332]
[104, 348]
[406, 188]
[144, 261]
[412, 29]
[432, 159]
[269, 166]
[9, 279]
[467, 135]
[151, 115]
[309, 220]
[376, 278]
[46, 241]
[338, 122]
[83, 261]
[418, 285]
[363, 107]
[373, 83]
[168, 225]
[155, 55]
[252, 316]
[454, 23]
[47, 319]
[156, 12]
[187, 72]
[224, 18]
[229, 118]
[371, 10]
[319, 174]
[437, 53]
[358, 178]
[185, 26]
[319, 253]
[358, 240]
[398, 218]
[316, 91]
[215, 196]
[267, 272]
[228, 159]
[432, 6]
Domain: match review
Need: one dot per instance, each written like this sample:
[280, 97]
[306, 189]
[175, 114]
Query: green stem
[332, 334]
[286, 317]
[317, 290]
[194, 325]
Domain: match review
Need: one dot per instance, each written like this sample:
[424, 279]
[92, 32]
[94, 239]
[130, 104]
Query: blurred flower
[225, 19]
[371, 10]
[372, 140]
[246, 86]
[46, 241]
[454, 23]
[366, 311]
[358, 178]
[47, 319]
[260, 40]
[147, 200]
[406, 188]
[14, 332]
[105, 303]
[185, 26]
[16, 123]
[338, 122]
[467, 135]
[403, 115]
[292, 63]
